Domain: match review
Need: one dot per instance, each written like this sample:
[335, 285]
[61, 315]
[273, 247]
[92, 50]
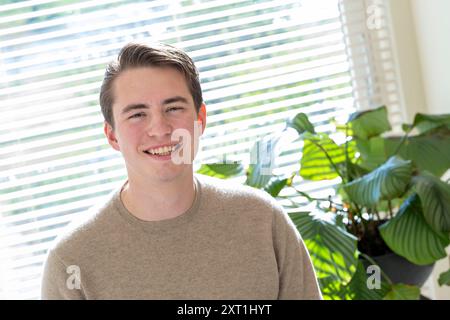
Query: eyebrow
[132, 107]
[174, 99]
[138, 106]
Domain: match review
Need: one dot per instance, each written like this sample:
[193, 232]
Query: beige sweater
[235, 242]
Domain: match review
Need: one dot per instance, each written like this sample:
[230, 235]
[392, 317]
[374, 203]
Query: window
[260, 62]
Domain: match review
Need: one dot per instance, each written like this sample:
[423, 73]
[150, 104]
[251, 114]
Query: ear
[111, 136]
[201, 117]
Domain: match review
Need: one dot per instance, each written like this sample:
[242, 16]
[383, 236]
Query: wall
[407, 55]
[432, 24]
[421, 31]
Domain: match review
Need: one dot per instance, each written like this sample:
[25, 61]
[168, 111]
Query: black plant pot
[397, 268]
[400, 270]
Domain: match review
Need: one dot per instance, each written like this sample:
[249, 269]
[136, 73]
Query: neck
[154, 202]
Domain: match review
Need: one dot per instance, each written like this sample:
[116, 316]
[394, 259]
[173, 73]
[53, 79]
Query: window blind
[369, 42]
[260, 62]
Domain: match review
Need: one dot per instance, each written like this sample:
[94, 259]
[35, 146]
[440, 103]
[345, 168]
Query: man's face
[149, 105]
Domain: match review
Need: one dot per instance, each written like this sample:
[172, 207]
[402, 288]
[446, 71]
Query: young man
[167, 233]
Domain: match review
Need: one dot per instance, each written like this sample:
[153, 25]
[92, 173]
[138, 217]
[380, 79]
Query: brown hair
[135, 55]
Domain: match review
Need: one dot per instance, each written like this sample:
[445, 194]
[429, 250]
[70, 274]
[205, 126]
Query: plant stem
[377, 214]
[365, 256]
[308, 196]
[287, 198]
[358, 210]
[400, 145]
[363, 226]
[346, 154]
[329, 199]
[391, 215]
[353, 222]
[354, 227]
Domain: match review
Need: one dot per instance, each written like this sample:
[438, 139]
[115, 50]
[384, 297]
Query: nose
[159, 126]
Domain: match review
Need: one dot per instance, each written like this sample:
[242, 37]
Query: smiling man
[150, 103]
[166, 233]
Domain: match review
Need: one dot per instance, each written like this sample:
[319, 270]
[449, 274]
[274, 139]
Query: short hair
[135, 55]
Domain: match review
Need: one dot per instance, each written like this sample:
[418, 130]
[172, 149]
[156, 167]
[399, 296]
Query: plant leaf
[435, 197]
[370, 123]
[408, 234]
[444, 278]
[333, 289]
[221, 170]
[301, 123]
[427, 122]
[332, 249]
[358, 289]
[429, 152]
[263, 155]
[275, 185]
[402, 291]
[355, 171]
[372, 152]
[314, 164]
[386, 182]
[406, 127]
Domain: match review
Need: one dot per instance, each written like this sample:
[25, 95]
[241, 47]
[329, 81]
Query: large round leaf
[320, 156]
[387, 182]
[221, 170]
[431, 152]
[333, 289]
[370, 123]
[427, 122]
[444, 278]
[275, 185]
[357, 288]
[372, 152]
[354, 171]
[402, 291]
[408, 234]
[332, 249]
[301, 123]
[435, 197]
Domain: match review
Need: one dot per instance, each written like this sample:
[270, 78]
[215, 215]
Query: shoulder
[235, 194]
[244, 203]
[85, 229]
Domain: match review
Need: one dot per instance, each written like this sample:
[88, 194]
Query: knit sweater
[234, 242]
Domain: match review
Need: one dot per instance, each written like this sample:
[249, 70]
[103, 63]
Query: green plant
[389, 197]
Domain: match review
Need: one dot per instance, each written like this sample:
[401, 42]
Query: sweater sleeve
[60, 282]
[297, 278]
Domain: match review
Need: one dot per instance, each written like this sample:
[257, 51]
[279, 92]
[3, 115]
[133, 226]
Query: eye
[171, 109]
[137, 115]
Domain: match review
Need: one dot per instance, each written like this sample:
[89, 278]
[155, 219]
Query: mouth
[163, 151]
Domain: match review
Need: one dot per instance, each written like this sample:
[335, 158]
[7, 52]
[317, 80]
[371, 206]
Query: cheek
[130, 136]
[186, 122]
[190, 127]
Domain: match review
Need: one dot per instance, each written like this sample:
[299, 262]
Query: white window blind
[369, 42]
[260, 62]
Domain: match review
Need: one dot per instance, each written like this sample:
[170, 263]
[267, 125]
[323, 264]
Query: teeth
[162, 150]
